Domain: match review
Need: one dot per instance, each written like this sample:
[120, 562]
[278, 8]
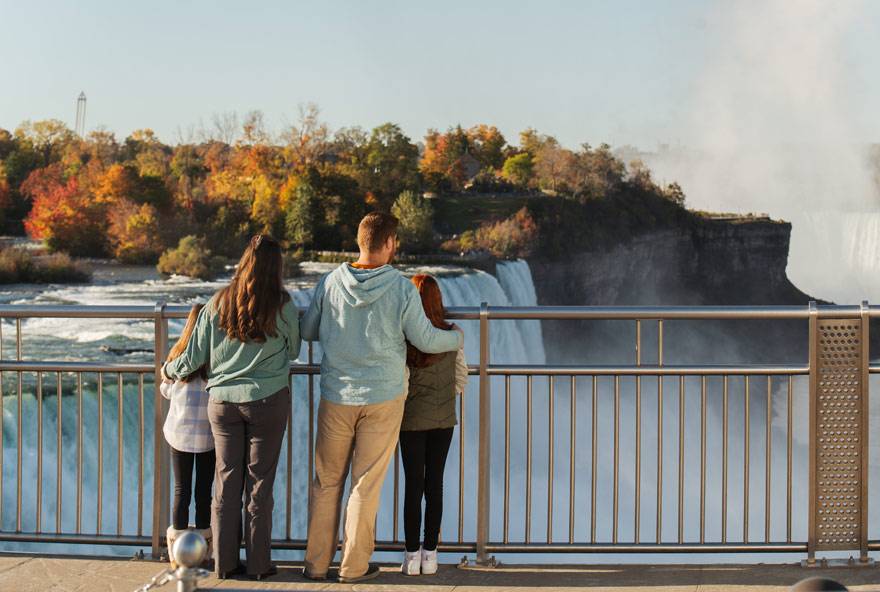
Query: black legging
[182, 464]
[424, 458]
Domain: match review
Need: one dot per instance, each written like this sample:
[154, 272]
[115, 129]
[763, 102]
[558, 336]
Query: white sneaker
[429, 562]
[412, 563]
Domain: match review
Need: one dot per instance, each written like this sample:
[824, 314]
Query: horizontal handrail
[708, 370]
[148, 312]
[52, 366]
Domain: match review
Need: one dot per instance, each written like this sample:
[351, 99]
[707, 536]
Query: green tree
[388, 164]
[518, 169]
[416, 217]
[303, 215]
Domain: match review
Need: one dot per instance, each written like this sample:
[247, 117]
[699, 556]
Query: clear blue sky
[619, 71]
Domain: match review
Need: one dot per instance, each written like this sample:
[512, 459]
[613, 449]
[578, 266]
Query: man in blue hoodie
[362, 314]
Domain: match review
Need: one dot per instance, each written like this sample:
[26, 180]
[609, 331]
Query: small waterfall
[515, 278]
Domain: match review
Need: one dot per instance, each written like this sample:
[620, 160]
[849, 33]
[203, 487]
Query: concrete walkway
[56, 574]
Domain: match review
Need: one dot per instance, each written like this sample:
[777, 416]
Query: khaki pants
[363, 437]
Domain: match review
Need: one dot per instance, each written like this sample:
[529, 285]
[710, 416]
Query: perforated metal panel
[839, 444]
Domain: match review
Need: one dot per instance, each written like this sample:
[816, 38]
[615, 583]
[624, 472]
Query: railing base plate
[489, 564]
[822, 562]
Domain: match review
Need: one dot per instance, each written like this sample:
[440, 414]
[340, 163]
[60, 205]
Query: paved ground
[27, 574]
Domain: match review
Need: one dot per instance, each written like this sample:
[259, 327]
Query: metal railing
[674, 456]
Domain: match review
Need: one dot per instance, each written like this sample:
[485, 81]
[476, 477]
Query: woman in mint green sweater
[245, 336]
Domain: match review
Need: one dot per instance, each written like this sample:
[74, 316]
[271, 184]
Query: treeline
[139, 198]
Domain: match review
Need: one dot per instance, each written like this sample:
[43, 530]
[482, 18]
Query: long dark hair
[432, 302]
[183, 341]
[249, 305]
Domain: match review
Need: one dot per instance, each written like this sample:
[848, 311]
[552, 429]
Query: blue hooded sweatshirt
[362, 319]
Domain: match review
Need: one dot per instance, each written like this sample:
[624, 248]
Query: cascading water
[66, 339]
[836, 255]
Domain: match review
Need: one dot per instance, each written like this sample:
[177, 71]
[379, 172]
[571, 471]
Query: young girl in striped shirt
[188, 433]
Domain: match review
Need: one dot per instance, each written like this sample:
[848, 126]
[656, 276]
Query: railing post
[814, 386]
[483, 480]
[160, 468]
[839, 372]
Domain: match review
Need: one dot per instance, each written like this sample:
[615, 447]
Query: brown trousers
[362, 437]
[247, 439]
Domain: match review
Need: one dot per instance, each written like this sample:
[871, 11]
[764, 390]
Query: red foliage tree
[64, 216]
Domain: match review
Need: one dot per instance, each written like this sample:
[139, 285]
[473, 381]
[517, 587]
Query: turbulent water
[107, 340]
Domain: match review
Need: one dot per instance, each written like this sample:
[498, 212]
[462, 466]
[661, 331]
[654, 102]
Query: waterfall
[69, 339]
[836, 255]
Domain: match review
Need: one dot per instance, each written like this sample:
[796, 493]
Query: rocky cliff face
[718, 262]
[736, 262]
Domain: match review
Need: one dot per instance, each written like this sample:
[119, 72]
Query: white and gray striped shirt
[186, 427]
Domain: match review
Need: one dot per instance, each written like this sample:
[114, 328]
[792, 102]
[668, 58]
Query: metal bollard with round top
[189, 552]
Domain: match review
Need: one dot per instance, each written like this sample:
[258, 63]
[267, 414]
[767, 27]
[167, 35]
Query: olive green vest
[430, 404]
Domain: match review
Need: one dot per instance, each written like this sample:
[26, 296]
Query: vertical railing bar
[100, 461]
[593, 450]
[79, 451]
[681, 391]
[18, 431]
[746, 438]
[2, 415]
[616, 476]
[528, 526]
[484, 481]
[702, 459]
[506, 459]
[396, 502]
[724, 438]
[659, 459]
[140, 479]
[311, 443]
[461, 447]
[788, 461]
[659, 433]
[288, 504]
[58, 453]
[638, 468]
[767, 463]
[160, 467]
[550, 442]
[120, 451]
[572, 431]
[39, 500]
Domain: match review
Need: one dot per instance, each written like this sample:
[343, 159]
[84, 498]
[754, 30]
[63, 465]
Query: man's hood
[362, 287]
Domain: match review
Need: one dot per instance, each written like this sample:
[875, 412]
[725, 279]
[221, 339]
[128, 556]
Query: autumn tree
[133, 232]
[308, 139]
[48, 138]
[66, 218]
[487, 145]
[443, 161]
